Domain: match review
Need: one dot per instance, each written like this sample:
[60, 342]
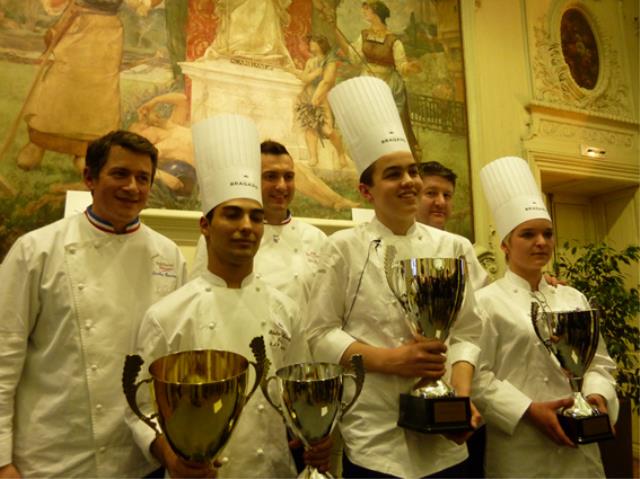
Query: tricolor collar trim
[104, 225]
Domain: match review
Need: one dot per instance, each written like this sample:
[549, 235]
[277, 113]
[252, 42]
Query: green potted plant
[595, 270]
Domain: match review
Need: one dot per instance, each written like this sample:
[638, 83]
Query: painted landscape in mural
[72, 71]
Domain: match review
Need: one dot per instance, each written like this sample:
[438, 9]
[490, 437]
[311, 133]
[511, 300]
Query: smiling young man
[290, 249]
[353, 311]
[228, 305]
[72, 295]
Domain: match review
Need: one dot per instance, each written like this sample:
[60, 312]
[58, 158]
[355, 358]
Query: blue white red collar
[104, 225]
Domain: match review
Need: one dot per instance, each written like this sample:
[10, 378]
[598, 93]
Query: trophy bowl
[311, 399]
[199, 396]
[430, 291]
[572, 338]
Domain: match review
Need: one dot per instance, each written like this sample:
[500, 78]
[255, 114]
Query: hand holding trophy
[311, 400]
[431, 291]
[572, 338]
[199, 396]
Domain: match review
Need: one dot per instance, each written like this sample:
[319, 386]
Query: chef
[290, 249]
[227, 306]
[72, 295]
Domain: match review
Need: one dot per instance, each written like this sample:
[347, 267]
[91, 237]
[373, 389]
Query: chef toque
[512, 194]
[368, 118]
[227, 156]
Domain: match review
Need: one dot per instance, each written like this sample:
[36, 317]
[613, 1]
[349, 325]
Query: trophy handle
[358, 378]
[265, 390]
[132, 365]
[261, 365]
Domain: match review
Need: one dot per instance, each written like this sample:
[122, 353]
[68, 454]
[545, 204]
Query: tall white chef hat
[227, 155]
[368, 118]
[512, 193]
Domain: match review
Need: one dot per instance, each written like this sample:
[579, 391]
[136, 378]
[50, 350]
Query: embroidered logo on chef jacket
[164, 269]
[313, 257]
[279, 337]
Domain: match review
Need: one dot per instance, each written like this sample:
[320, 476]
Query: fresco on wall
[72, 71]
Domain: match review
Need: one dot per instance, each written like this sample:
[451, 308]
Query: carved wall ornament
[567, 131]
[604, 89]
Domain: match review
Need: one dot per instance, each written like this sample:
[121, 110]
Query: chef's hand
[178, 467]
[543, 416]
[318, 456]
[9, 472]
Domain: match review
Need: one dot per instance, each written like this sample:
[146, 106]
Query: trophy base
[585, 430]
[435, 416]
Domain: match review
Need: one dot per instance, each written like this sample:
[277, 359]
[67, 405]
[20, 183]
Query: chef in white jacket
[353, 311]
[72, 294]
[518, 387]
[290, 249]
[227, 306]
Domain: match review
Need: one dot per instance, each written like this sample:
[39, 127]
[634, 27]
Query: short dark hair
[433, 168]
[98, 150]
[366, 177]
[270, 147]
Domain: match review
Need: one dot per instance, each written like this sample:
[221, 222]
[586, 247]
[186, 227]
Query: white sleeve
[499, 402]
[599, 377]
[326, 308]
[151, 344]
[20, 306]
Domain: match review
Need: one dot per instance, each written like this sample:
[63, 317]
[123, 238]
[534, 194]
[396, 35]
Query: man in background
[435, 204]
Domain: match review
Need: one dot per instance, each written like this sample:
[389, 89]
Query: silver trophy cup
[572, 338]
[431, 291]
[311, 399]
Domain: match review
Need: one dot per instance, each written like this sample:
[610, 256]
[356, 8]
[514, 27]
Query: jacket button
[224, 460]
[259, 451]
[260, 407]
[212, 325]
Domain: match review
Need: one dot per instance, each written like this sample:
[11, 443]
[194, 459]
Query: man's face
[278, 185]
[233, 235]
[396, 185]
[436, 201]
[122, 187]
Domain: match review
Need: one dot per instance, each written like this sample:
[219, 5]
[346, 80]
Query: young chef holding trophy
[352, 310]
[226, 307]
[519, 386]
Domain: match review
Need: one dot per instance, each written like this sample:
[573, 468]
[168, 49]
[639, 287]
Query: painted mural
[72, 70]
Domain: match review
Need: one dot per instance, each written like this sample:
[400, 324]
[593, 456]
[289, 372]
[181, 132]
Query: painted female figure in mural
[313, 112]
[381, 54]
[78, 98]
[252, 29]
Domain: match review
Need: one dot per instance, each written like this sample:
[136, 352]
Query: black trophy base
[585, 430]
[435, 416]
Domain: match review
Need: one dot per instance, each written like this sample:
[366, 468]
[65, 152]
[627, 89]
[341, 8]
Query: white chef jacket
[477, 274]
[515, 369]
[206, 314]
[287, 258]
[343, 282]
[71, 298]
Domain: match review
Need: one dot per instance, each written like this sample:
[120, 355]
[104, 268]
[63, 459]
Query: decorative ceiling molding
[552, 79]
